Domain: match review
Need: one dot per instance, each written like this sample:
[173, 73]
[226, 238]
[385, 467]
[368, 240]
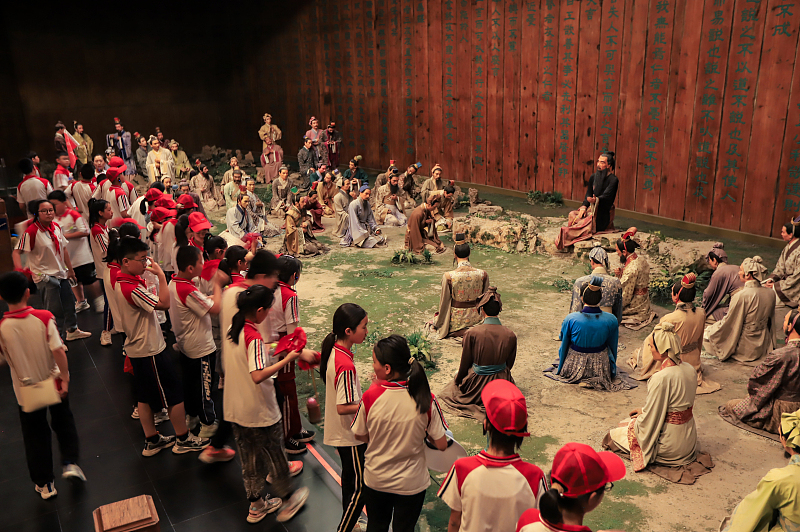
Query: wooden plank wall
[700, 99]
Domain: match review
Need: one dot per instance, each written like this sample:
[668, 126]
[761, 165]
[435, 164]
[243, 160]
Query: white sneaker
[207, 431]
[81, 306]
[46, 491]
[105, 338]
[191, 443]
[73, 471]
[77, 334]
[160, 417]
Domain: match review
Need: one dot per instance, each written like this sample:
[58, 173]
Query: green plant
[562, 285]
[265, 195]
[404, 256]
[420, 348]
[386, 273]
[548, 199]
[427, 256]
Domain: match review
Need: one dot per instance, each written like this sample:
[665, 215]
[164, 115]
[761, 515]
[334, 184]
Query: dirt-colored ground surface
[400, 299]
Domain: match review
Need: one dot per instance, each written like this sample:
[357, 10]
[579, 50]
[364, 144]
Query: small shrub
[427, 256]
[562, 285]
[548, 199]
[421, 348]
[405, 256]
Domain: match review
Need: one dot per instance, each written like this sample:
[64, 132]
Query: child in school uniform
[99, 215]
[491, 491]
[250, 403]
[284, 320]
[339, 374]
[190, 312]
[32, 347]
[580, 477]
[157, 385]
[397, 413]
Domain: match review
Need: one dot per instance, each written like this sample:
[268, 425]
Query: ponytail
[180, 231]
[233, 255]
[393, 351]
[250, 300]
[115, 236]
[96, 206]
[553, 503]
[347, 316]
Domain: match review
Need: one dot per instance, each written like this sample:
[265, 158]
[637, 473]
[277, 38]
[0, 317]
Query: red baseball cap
[116, 162]
[153, 194]
[119, 221]
[160, 214]
[165, 201]
[187, 201]
[198, 222]
[581, 469]
[505, 407]
[115, 171]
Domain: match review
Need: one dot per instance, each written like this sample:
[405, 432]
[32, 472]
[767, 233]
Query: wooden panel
[435, 82]
[772, 97]
[462, 169]
[421, 98]
[450, 115]
[511, 126]
[480, 62]
[349, 73]
[529, 90]
[359, 58]
[787, 204]
[680, 106]
[494, 94]
[630, 99]
[310, 101]
[656, 84]
[395, 52]
[715, 41]
[737, 113]
[610, 63]
[327, 109]
[545, 127]
[382, 46]
[585, 103]
[568, 31]
[407, 91]
[371, 87]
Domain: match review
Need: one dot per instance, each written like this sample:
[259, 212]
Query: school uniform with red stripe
[532, 521]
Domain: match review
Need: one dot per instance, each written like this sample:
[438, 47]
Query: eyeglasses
[47, 211]
[142, 260]
[608, 487]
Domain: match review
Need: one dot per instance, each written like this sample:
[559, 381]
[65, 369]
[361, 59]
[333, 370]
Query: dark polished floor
[189, 495]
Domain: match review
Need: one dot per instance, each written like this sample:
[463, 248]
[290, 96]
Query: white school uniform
[341, 382]
[191, 322]
[81, 192]
[136, 315]
[44, 260]
[80, 252]
[98, 241]
[395, 458]
[166, 245]
[118, 199]
[32, 188]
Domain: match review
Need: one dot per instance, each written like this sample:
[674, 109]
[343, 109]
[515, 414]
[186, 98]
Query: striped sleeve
[122, 201]
[292, 310]
[144, 299]
[436, 423]
[346, 386]
[102, 240]
[257, 355]
[199, 303]
[24, 241]
[449, 492]
[359, 424]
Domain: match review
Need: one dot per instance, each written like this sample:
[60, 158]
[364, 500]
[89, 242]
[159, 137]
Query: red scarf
[210, 267]
[51, 232]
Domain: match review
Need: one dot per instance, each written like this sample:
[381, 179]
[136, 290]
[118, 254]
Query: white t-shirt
[110, 284]
[102, 187]
[191, 322]
[98, 239]
[395, 459]
[61, 178]
[492, 492]
[43, 257]
[79, 251]
[33, 188]
[137, 317]
[341, 382]
[28, 338]
[166, 245]
[81, 192]
[118, 199]
[245, 403]
[531, 521]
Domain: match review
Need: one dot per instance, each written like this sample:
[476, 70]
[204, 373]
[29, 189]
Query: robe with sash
[461, 290]
[724, 281]
[611, 289]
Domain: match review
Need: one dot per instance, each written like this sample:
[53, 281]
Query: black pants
[224, 430]
[38, 446]
[382, 507]
[198, 377]
[352, 485]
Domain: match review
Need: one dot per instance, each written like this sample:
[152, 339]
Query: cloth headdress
[267, 115]
[417, 165]
[599, 255]
[666, 341]
[595, 284]
[717, 250]
[790, 428]
[364, 187]
[60, 125]
[490, 295]
[311, 120]
[755, 267]
[436, 167]
[356, 159]
[688, 281]
[151, 139]
[459, 238]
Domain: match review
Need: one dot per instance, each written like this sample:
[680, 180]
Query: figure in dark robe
[724, 282]
[421, 229]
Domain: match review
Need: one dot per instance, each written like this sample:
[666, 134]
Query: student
[81, 190]
[30, 343]
[339, 374]
[580, 477]
[192, 230]
[115, 194]
[235, 262]
[62, 177]
[284, 320]
[32, 187]
[250, 402]
[190, 312]
[99, 214]
[49, 261]
[214, 247]
[157, 386]
[493, 489]
[80, 253]
[397, 413]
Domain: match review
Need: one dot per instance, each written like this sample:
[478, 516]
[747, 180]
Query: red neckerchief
[210, 267]
[21, 313]
[236, 278]
[50, 230]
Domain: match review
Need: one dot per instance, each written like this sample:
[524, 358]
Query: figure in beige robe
[635, 279]
[389, 205]
[160, 163]
[227, 177]
[203, 185]
[299, 239]
[327, 190]
[182, 165]
[85, 149]
[461, 289]
[341, 207]
[785, 278]
[281, 193]
[269, 131]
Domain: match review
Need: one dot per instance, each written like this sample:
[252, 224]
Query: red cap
[119, 221]
[153, 194]
[198, 222]
[115, 171]
[116, 162]
[581, 469]
[160, 214]
[165, 200]
[505, 407]
[186, 201]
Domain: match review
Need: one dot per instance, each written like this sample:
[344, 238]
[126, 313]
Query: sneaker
[191, 443]
[192, 422]
[304, 436]
[211, 455]
[77, 334]
[46, 491]
[294, 446]
[83, 305]
[73, 471]
[99, 305]
[161, 417]
[135, 413]
[293, 505]
[295, 468]
[163, 442]
[207, 431]
[105, 338]
[257, 513]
